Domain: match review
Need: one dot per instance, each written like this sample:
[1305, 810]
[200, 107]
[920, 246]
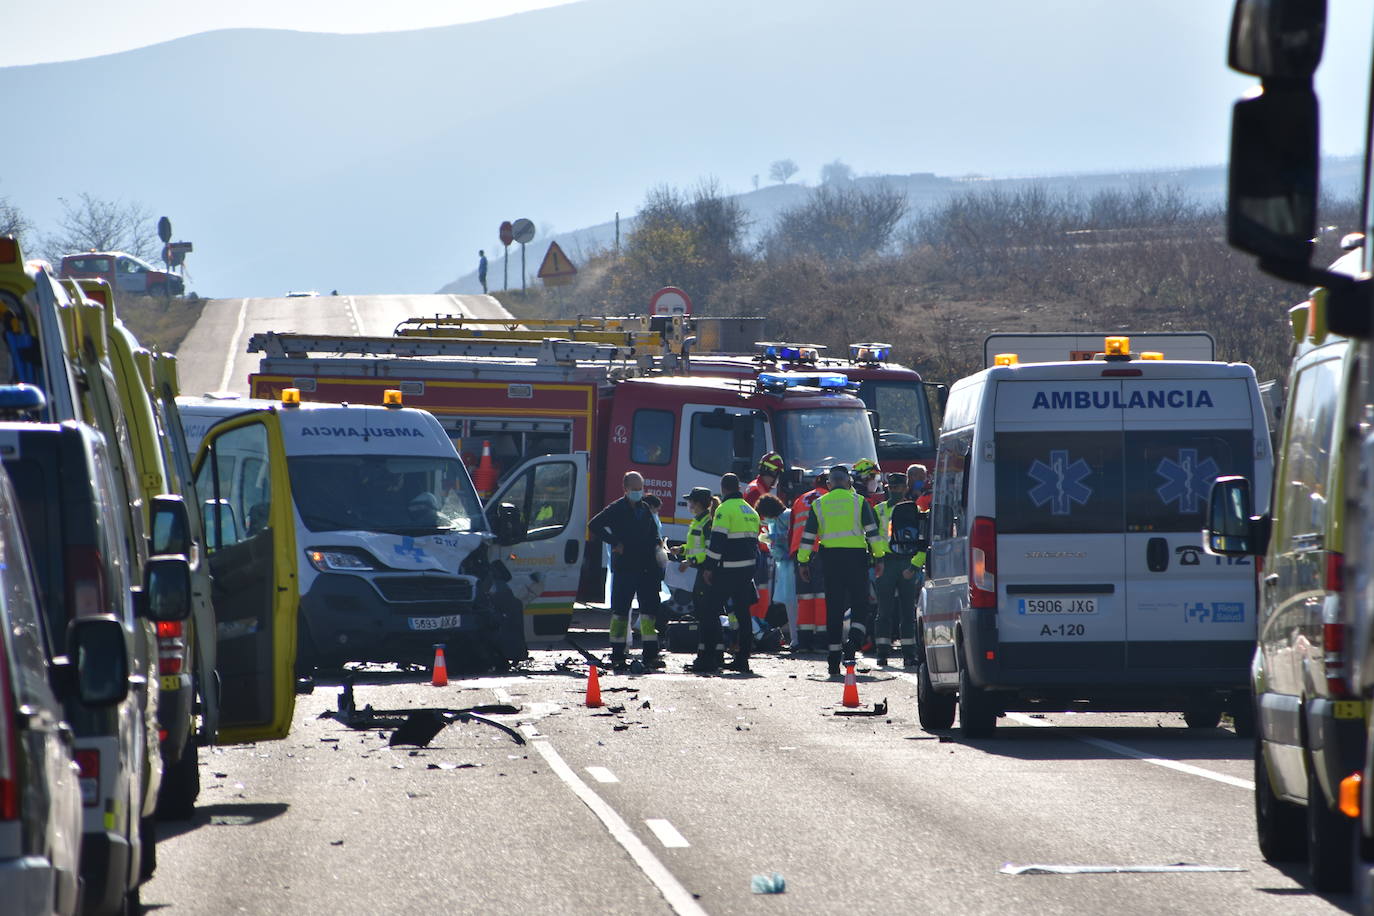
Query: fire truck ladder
[545, 352]
[631, 331]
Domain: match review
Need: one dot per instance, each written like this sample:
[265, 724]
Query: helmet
[771, 463]
[865, 467]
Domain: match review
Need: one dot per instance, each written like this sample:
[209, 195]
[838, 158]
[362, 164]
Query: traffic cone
[593, 688]
[484, 478]
[851, 688]
[440, 677]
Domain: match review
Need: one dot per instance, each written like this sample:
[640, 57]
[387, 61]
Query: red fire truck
[566, 419]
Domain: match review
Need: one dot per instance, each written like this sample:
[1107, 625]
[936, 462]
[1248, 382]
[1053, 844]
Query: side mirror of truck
[509, 525]
[1277, 39]
[166, 592]
[97, 663]
[1231, 530]
[1272, 186]
[171, 526]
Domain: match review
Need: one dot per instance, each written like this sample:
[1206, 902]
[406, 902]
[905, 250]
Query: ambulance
[1067, 568]
[386, 538]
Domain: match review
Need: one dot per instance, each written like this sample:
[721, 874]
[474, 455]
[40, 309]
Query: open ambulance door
[250, 536]
[550, 492]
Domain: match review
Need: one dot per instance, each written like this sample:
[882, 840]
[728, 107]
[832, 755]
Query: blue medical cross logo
[1060, 483]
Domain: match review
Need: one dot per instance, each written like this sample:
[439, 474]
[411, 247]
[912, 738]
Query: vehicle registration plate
[449, 622]
[1057, 606]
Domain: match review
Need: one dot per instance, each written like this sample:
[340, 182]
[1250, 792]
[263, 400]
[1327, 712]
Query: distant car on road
[302, 294]
[125, 272]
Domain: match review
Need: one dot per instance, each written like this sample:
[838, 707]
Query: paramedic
[628, 526]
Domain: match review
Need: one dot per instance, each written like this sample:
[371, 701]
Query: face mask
[634, 495]
[918, 486]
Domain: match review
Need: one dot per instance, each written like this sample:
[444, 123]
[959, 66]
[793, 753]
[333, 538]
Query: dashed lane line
[667, 834]
[234, 346]
[601, 774]
[678, 897]
[353, 316]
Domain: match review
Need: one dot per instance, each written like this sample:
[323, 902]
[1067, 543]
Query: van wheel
[133, 903]
[1202, 712]
[1278, 824]
[977, 717]
[936, 710]
[180, 786]
[1241, 705]
[1330, 839]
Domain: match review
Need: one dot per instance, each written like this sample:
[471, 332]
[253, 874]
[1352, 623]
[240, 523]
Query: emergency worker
[843, 527]
[811, 590]
[629, 527]
[702, 503]
[918, 485]
[867, 481]
[731, 554]
[903, 570]
[770, 469]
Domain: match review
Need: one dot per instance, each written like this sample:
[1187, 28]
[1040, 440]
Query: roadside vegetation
[854, 263]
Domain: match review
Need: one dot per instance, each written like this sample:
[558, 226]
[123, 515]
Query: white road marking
[677, 896]
[1010, 869]
[1126, 751]
[234, 346]
[458, 306]
[353, 316]
[667, 834]
[601, 774]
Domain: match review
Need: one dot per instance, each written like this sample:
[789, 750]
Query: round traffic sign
[164, 230]
[670, 301]
[522, 230]
[505, 233]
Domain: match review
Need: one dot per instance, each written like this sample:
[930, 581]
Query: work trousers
[732, 591]
[896, 600]
[811, 603]
[846, 589]
[710, 634]
[627, 585]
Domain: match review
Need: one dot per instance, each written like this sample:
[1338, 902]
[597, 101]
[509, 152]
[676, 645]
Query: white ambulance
[1066, 563]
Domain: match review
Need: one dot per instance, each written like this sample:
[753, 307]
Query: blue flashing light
[824, 380]
[21, 398]
[870, 352]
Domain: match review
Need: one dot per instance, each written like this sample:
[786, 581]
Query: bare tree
[103, 225]
[782, 170]
[838, 222]
[836, 173]
[12, 222]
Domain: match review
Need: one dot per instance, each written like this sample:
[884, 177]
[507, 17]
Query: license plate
[1056, 606]
[449, 622]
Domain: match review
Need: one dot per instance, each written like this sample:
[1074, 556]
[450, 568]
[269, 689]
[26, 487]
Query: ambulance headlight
[342, 559]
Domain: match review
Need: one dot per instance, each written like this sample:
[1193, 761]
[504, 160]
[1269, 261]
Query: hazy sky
[38, 31]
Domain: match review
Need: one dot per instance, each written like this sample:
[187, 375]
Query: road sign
[505, 233]
[174, 253]
[556, 270]
[522, 230]
[164, 230]
[670, 301]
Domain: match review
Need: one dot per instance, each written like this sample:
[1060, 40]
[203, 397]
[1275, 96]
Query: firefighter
[903, 570]
[770, 469]
[702, 503]
[867, 481]
[843, 527]
[629, 527]
[731, 555]
[810, 591]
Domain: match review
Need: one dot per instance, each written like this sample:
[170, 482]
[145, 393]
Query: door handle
[571, 550]
[1157, 554]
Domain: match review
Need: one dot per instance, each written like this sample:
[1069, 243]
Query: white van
[1066, 563]
[390, 541]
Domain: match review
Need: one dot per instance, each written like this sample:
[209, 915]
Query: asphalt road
[674, 803]
[213, 356]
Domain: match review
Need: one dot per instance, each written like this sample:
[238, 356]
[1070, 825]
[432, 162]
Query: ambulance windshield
[812, 439]
[388, 493]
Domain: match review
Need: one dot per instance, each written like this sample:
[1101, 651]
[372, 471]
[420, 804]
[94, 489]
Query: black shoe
[882, 659]
[740, 665]
[654, 662]
[833, 665]
[703, 665]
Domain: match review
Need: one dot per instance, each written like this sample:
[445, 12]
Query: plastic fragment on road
[768, 884]
[1179, 867]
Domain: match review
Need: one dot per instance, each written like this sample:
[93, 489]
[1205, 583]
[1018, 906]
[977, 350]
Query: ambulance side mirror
[508, 525]
[1231, 530]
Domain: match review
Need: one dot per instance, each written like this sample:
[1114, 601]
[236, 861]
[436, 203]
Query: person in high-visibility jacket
[702, 503]
[844, 528]
[903, 524]
[731, 554]
[811, 590]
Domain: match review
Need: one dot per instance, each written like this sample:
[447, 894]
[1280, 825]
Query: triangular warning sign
[556, 264]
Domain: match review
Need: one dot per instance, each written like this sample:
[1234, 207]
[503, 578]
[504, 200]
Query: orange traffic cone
[440, 678]
[851, 688]
[484, 478]
[593, 688]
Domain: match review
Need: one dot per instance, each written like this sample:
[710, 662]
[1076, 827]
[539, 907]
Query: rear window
[1056, 483]
[1171, 475]
[86, 265]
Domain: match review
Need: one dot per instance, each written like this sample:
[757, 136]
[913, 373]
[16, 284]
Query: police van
[1066, 567]
[386, 535]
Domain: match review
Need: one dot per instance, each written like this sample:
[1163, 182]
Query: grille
[424, 588]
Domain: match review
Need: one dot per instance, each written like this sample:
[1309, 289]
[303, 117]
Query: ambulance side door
[241, 477]
[550, 492]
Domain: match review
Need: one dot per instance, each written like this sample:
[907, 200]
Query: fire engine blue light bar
[810, 380]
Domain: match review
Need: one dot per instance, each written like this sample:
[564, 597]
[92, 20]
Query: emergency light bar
[870, 353]
[829, 381]
[787, 352]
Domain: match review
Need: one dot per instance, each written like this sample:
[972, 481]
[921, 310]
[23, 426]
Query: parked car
[63, 475]
[125, 272]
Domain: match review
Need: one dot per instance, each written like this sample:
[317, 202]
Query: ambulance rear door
[551, 493]
[1184, 608]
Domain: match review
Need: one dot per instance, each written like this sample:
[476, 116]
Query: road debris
[1010, 869]
[768, 884]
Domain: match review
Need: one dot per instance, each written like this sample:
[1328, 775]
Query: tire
[936, 710]
[1203, 712]
[1241, 706]
[158, 290]
[180, 786]
[1330, 840]
[1278, 824]
[977, 717]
